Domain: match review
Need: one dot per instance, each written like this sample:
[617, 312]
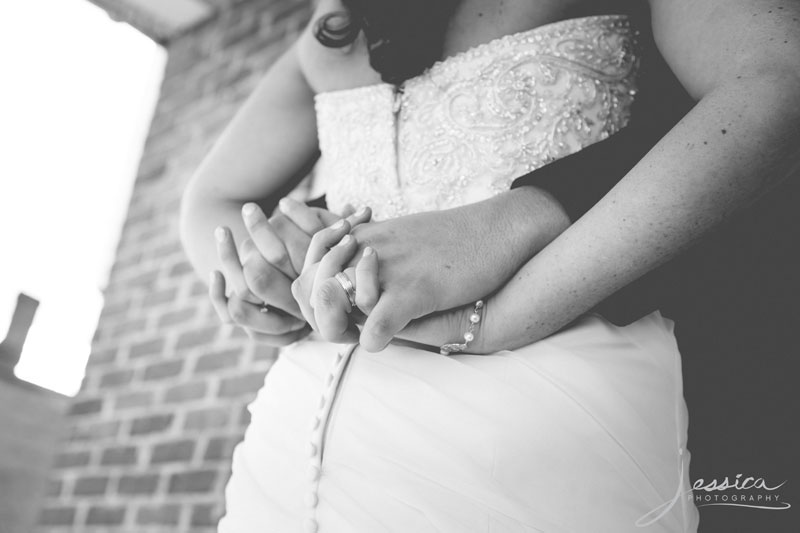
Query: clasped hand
[415, 277]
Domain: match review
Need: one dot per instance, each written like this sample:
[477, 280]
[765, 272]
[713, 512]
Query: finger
[269, 284]
[326, 216]
[278, 340]
[332, 263]
[306, 218]
[348, 210]
[266, 239]
[249, 316]
[387, 318]
[231, 265]
[274, 340]
[331, 313]
[294, 239]
[323, 240]
[246, 248]
[359, 217]
[366, 273]
[301, 291]
[216, 293]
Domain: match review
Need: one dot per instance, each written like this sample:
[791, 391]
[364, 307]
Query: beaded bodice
[469, 125]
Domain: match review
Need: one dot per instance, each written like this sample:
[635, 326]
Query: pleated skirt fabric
[584, 431]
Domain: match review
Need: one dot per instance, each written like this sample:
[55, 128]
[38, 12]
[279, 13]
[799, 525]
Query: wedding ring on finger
[348, 287]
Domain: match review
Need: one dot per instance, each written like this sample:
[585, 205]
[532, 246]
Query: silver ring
[348, 287]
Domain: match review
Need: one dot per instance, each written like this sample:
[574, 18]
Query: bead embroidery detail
[469, 125]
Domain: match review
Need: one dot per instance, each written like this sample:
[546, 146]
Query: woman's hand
[259, 276]
[260, 298]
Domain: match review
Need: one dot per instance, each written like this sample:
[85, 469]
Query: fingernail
[368, 251]
[338, 225]
[346, 240]
[220, 234]
[362, 211]
[248, 209]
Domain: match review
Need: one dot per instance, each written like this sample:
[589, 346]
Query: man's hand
[437, 261]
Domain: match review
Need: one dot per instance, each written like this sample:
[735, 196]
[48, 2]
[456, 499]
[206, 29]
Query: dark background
[738, 333]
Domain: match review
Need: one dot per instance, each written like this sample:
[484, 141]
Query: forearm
[579, 181]
[202, 212]
[542, 203]
[200, 216]
[269, 145]
[738, 141]
[516, 225]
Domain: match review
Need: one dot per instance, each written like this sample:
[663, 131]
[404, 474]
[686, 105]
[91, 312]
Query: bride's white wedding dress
[584, 431]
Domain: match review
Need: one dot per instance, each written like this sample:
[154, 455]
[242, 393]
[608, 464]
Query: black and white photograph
[400, 266]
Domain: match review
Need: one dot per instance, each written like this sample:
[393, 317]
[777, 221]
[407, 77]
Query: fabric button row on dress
[318, 427]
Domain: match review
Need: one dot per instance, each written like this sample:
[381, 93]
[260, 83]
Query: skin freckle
[705, 142]
[724, 132]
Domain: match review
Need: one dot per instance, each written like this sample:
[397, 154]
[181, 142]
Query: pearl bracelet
[469, 335]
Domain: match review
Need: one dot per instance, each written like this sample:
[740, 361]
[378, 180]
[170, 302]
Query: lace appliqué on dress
[469, 125]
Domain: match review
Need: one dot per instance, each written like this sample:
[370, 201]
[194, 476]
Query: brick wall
[163, 402]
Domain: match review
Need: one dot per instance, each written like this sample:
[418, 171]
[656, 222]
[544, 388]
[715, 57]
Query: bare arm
[267, 148]
[739, 59]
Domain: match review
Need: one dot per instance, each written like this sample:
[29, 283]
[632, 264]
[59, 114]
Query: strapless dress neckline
[481, 48]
